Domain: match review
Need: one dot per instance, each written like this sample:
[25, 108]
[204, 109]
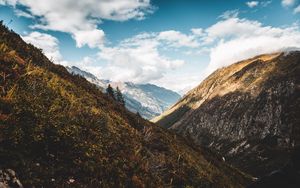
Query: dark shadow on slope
[235, 125]
[172, 118]
[288, 176]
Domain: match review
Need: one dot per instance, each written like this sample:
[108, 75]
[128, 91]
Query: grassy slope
[55, 127]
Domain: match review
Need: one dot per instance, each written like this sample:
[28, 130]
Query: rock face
[8, 179]
[147, 99]
[248, 111]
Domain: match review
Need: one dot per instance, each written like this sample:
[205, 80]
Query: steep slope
[59, 130]
[165, 96]
[248, 111]
[147, 99]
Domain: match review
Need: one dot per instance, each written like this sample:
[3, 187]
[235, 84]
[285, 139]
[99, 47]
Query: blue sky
[171, 43]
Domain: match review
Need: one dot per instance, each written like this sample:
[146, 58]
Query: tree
[119, 97]
[110, 91]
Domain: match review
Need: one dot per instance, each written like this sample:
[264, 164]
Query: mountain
[102, 84]
[147, 99]
[59, 130]
[248, 111]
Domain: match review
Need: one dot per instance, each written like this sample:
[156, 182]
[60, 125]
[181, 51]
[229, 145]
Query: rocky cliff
[249, 112]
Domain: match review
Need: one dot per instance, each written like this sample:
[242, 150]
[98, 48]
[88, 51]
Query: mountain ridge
[247, 111]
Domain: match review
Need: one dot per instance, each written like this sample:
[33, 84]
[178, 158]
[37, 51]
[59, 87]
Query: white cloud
[179, 83]
[292, 3]
[9, 2]
[48, 43]
[287, 3]
[140, 59]
[237, 39]
[81, 18]
[22, 13]
[252, 4]
[178, 39]
[197, 31]
[265, 3]
[93, 38]
[229, 14]
[297, 10]
[137, 60]
[232, 27]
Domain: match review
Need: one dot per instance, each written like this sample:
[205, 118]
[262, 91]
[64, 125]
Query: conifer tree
[119, 97]
[110, 91]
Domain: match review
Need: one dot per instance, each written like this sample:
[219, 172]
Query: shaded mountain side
[147, 99]
[165, 96]
[248, 111]
[287, 176]
[59, 130]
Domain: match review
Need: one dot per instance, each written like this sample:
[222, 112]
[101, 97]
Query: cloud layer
[252, 4]
[47, 43]
[294, 4]
[237, 39]
[140, 59]
[146, 56]
[229, 40]
[287, 3]
[80, 18]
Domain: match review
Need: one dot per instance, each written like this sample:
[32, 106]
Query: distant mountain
[249, 112]
[90, 77]
[59, 130]
[147, 99]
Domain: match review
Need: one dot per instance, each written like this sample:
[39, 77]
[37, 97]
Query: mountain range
[147, 99]
[60, 130]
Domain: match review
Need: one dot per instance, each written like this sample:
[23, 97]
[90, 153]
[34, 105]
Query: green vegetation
[115, 95]
[58, 130]
[110, 91]
[119, 97]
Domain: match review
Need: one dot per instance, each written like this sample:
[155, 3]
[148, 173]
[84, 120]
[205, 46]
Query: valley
[146, 99]
[149, 94]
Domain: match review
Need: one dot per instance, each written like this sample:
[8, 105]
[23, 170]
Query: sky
[171, 43]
